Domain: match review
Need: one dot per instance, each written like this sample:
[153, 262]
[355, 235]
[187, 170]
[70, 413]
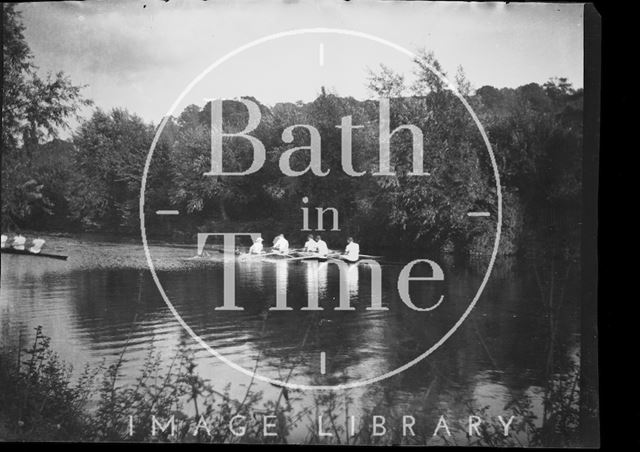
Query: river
[103, 298]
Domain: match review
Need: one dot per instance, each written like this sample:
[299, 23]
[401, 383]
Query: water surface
[104, 298]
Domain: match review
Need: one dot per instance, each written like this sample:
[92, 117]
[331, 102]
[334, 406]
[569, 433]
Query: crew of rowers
[313, 245]
[19, 243]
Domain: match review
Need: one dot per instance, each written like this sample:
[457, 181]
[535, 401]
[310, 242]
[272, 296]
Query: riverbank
[41, 401]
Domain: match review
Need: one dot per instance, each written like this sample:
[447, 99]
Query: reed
[40, 400]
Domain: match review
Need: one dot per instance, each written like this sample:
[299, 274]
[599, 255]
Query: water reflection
[282, 286]
[255, 270]
[353, 273]
[104, 298]
[314, 284]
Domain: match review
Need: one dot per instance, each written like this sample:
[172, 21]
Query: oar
[299, 258]
[288, 256]
[361, 255]
[335, 259]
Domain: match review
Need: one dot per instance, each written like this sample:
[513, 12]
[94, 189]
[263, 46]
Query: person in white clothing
[311, 246]
[4, 240]
[281, 245]
[323, 249]
[257, 247]
[352, 251]
[18, 242]
[36, 245]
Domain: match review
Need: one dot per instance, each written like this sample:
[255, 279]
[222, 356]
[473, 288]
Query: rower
[311, 246]
[323, 249]
[18, 242]
[4, 240]
[36, 245]
[257, 247]
[281, 244]
[352, 251]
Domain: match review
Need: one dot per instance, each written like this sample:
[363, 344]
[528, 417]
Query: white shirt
[37, 245]
[311, 246]
[256, 248]
[282, 245]
[352, 251]
[323, 249]
[4, 240]
[18, 242]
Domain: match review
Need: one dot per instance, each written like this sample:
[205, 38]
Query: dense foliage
[33, 110]
[93, 182]
[42, 400]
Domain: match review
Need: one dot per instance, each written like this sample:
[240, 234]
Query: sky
[141, 55]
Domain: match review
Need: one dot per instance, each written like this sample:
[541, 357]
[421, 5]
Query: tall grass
[41, 400]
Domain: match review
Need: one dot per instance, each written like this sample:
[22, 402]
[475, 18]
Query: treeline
[92, 182]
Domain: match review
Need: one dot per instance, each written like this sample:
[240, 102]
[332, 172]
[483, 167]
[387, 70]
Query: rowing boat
[26, 252]
[313, 258]
[293, 256]
[276, 255]
[307, 256]
[286, 257]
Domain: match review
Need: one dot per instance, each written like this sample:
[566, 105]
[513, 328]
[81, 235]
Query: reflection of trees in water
[521, 314]
[557, 422]
[522, 318]
[525, 320]
[551, 402]
[341, 334]
[570, 403]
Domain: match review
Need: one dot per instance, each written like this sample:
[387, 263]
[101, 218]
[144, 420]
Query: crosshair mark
[167, 212]
[478, 214]
[323, 363]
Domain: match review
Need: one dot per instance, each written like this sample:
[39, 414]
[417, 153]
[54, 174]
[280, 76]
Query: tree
[48, 104]
[429, 211]
[16, 59]
[110, 154]
[427, 81]
[216, 196]
[33, 109]
[386, 83]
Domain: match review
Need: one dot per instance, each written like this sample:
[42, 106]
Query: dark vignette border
[591, 321]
